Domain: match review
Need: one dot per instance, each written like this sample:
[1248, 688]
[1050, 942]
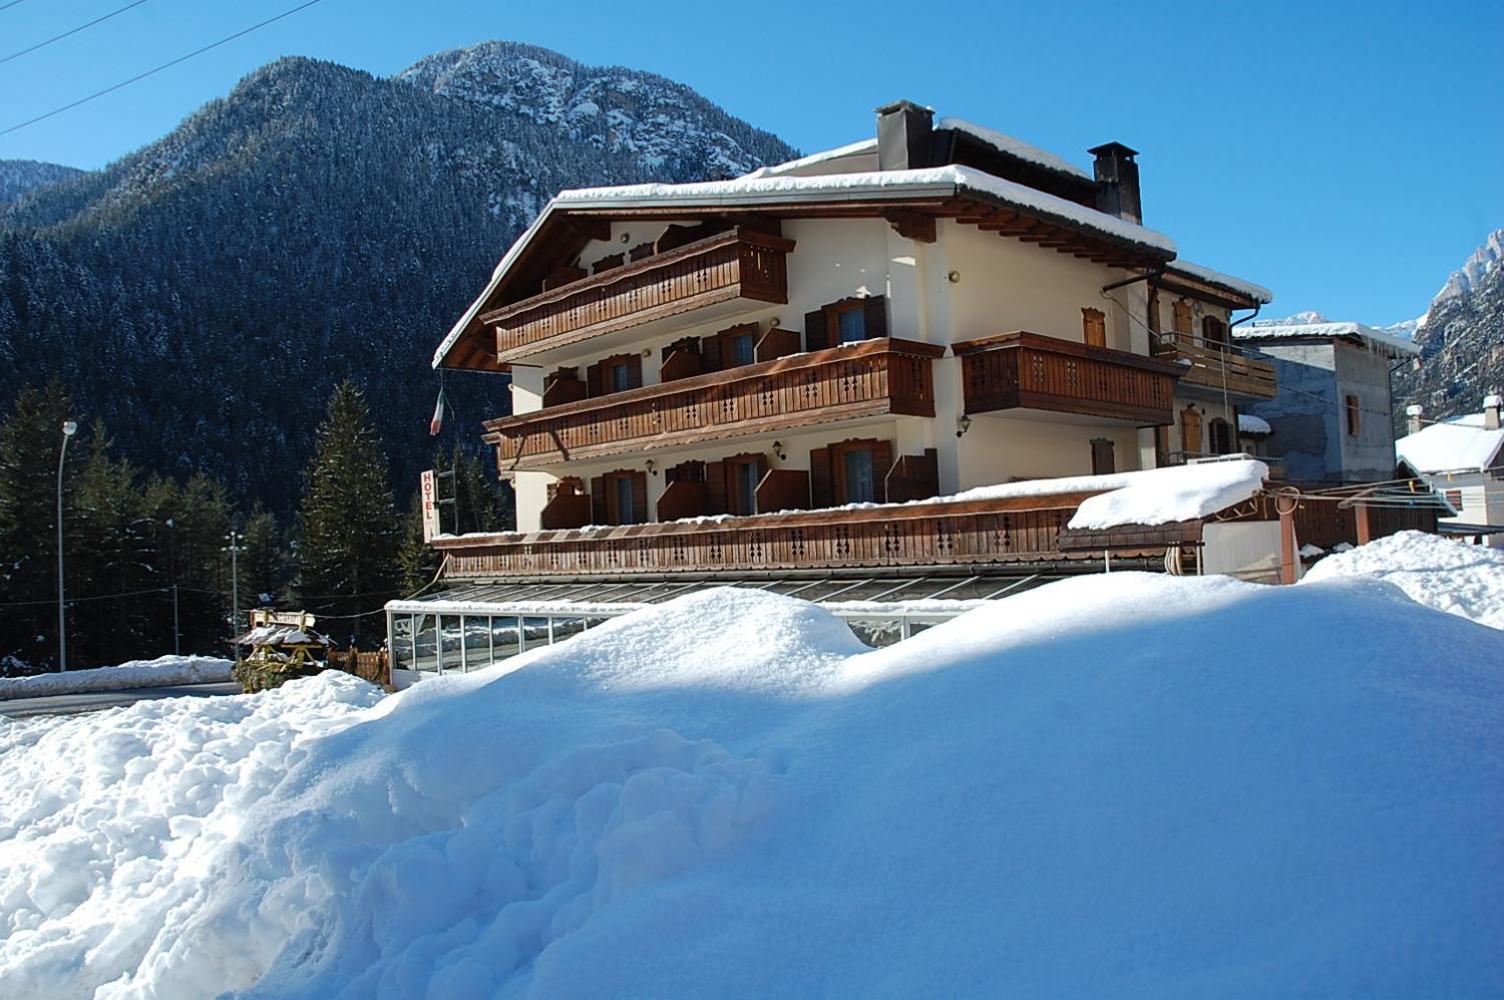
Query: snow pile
[112, 822]
[1250, 424]
[1176, 493]
[1466, 580]
[1014, 147]
[164, 670]
[728, 796]
[1256, 292]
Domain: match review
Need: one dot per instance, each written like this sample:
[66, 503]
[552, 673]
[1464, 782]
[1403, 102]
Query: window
[743, 349]
[846, 322]
[1094, 327]
[849, 324]
[747, 478]
[858, 468]
[624, 512]
[614, 374]
[1221, 436]
[621, 378]
[1351, 407]
[619, 497]
[1213, 333]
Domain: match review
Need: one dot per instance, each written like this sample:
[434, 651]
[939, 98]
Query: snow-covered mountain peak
[664, 125]
[1474, 269]
[1305, 318]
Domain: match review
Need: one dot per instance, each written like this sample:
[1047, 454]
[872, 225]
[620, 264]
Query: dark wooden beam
[912, 225]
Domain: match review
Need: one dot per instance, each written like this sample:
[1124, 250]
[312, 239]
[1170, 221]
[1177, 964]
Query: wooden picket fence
[375, 667]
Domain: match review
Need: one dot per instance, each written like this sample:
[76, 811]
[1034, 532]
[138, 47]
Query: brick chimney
[903, 136]
[1412, 419]
[1117, 181]
[1491, 404]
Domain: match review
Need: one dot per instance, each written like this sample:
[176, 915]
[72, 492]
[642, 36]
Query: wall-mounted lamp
[954, 277]
[774, 322]
[647, 352]
[626, 237]
[963, 424]
[652, 467]
[778, 451]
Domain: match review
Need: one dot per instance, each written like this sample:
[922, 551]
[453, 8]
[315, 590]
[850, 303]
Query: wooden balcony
[737, 264]
[936, 534]
[1028, 371]
[868, 379]
[1219, 369]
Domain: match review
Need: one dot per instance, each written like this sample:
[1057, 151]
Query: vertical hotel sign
[430, 506]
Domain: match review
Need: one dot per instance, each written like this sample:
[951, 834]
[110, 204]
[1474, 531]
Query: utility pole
[69, 429]
[234, 538]
[177, 635]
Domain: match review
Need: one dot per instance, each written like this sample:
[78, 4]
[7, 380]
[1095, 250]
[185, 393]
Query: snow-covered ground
[164, 670]
[1122, 785]
[1461, 579]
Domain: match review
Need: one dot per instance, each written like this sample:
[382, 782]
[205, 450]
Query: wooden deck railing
[1027, 370]
[871, 378]
[735, 264]
[1219, 369]
[1019, 530]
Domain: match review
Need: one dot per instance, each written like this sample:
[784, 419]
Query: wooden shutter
[634, 370]
[816, 331]
[875, 316]
[1094, 327]
[715, 487]
[1182, 319]
[1190, 431]
[609, 261]
[710, 352]
[821, 485]
[593, 379]
[598, 512]
[882, 464]
[1153, 310]
[1103, 461]
[639, 498]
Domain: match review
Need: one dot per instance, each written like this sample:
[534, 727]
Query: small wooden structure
[283, 645]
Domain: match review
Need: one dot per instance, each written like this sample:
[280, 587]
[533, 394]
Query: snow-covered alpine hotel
[856, 377]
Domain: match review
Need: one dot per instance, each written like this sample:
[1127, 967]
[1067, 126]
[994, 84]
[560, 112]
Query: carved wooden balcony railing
[942, 533]
[871, 378]
[1224, 369]
[737, 264]
[1026, 370]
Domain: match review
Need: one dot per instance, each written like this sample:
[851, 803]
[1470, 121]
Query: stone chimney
[903, 136]
[1117, 181]
[1491, 404]
[1412, 419]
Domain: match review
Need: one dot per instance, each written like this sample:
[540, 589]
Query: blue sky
[1344, 154]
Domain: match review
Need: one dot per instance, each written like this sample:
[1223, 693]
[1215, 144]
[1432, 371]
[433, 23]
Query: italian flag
[437, 423]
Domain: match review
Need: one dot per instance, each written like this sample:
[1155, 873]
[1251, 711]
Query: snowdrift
[161, 672]
[1114, 786]
[1448, 575]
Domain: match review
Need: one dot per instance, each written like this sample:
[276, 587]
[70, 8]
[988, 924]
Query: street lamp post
[69, 428]
[234, 538]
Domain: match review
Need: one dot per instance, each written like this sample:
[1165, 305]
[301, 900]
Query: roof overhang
[573, 218]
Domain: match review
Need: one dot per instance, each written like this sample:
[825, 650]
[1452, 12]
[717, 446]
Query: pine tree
[30, 439]
[347, 524]
[265, 563]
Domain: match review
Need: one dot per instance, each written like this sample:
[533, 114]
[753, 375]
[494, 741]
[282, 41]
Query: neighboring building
[1332, 419]
[1462, 459]
[785, 379]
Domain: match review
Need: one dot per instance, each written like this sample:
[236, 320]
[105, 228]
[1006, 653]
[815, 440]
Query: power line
[9, 5]
[156, 69]
[71, 31]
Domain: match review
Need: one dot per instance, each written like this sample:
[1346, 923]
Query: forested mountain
[18, 177]
[1461, 339]
[204, 294]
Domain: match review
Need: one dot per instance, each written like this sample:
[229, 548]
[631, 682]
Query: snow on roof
[1014, 147]
[1250, 424]
[864, 186]
[1176, 493]
[860, 148]
[1455, 445]
[1378, 339]
[1256, 292]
